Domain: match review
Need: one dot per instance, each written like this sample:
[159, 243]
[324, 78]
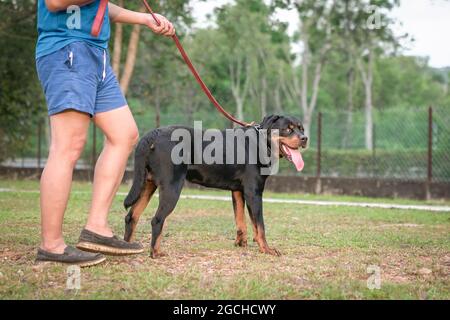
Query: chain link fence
[406, 144]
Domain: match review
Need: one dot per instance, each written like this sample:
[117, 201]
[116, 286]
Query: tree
[316, 35]
[251, 41]
[21, 99]
[176, 10]
[370, 35]
[160, 68]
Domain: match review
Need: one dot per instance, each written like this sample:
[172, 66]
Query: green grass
[326, 252]
[82, 187]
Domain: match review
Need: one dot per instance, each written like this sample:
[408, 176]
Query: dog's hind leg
[168, 198]
[239, 217]
[132, 218]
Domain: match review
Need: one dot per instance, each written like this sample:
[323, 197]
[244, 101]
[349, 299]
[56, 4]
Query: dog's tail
[140, 169]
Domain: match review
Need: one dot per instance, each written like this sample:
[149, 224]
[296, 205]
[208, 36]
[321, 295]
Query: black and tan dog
[154, 169]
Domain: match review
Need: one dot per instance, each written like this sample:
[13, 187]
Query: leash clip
[257, 127]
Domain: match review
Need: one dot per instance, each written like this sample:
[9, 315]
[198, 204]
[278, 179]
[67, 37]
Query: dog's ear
[268, 121]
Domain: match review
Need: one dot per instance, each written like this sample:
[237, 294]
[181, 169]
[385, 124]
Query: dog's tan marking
[138, 208]
[292, 142]
[262, 243]
[239, 216]
[156, 250]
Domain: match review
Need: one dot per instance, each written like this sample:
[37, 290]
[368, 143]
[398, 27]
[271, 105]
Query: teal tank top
[58, 29]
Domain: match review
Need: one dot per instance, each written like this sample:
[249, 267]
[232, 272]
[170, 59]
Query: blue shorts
[79, 77]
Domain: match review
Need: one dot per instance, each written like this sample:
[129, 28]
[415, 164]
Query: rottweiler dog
[155, 168]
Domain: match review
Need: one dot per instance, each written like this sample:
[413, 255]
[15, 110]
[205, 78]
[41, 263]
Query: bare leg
[68, 136]
[121, 135]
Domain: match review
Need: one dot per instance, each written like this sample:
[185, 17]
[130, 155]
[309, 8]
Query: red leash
[196, 74]
[97, 26]
[99, 18]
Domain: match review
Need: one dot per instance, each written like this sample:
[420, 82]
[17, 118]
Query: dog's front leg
[239, 217]
[255, 208]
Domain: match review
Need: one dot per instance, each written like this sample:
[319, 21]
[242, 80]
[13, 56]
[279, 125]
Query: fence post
[39, 149]
[374, 151]
[94, 149]
[430, 154]
[319, 154]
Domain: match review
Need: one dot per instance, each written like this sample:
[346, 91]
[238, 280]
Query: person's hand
[165, 28]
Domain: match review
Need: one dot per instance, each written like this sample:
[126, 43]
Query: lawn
[326, 252]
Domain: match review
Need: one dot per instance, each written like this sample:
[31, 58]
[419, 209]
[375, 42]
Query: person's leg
[68, 136]
[121, 135]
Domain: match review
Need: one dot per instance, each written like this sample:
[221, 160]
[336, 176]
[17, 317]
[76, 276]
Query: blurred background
[369, 79]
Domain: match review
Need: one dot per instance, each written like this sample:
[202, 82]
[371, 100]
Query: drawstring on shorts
[104, 65]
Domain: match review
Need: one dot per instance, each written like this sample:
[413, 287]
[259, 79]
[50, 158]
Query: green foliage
[407, 81]
[243, 33]
[385, 164]
[21, 101]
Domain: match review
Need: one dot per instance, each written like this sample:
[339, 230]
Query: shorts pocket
[53, 65]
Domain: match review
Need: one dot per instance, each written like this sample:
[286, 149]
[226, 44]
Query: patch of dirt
[17, 256]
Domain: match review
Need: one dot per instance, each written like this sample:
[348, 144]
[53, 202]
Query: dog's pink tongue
[296, 156]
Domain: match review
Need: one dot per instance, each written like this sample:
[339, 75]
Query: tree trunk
[118, 37]
[369, 103]
[277, 98]
[263, 97]
[305, 65]
[369, 116]
[367, 77]
[131, 59]
[238, 89]
[307, 121]
[157, 106]
[350, 107]
[48, 136]
[190, 104]
[308, 105]
[239, 108]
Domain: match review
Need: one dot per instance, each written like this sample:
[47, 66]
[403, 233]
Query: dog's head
[291, 137]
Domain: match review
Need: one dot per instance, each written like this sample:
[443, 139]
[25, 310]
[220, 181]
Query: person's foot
[70, 256]
[93, 242]
[100, 229]
[57, 247]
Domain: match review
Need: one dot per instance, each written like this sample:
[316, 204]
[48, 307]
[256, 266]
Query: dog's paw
[271, 251]
[239, 242]
[154, 254]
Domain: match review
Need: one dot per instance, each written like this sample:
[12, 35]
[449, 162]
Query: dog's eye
[288, 130]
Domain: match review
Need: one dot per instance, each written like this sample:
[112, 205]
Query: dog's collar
[258, 128]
